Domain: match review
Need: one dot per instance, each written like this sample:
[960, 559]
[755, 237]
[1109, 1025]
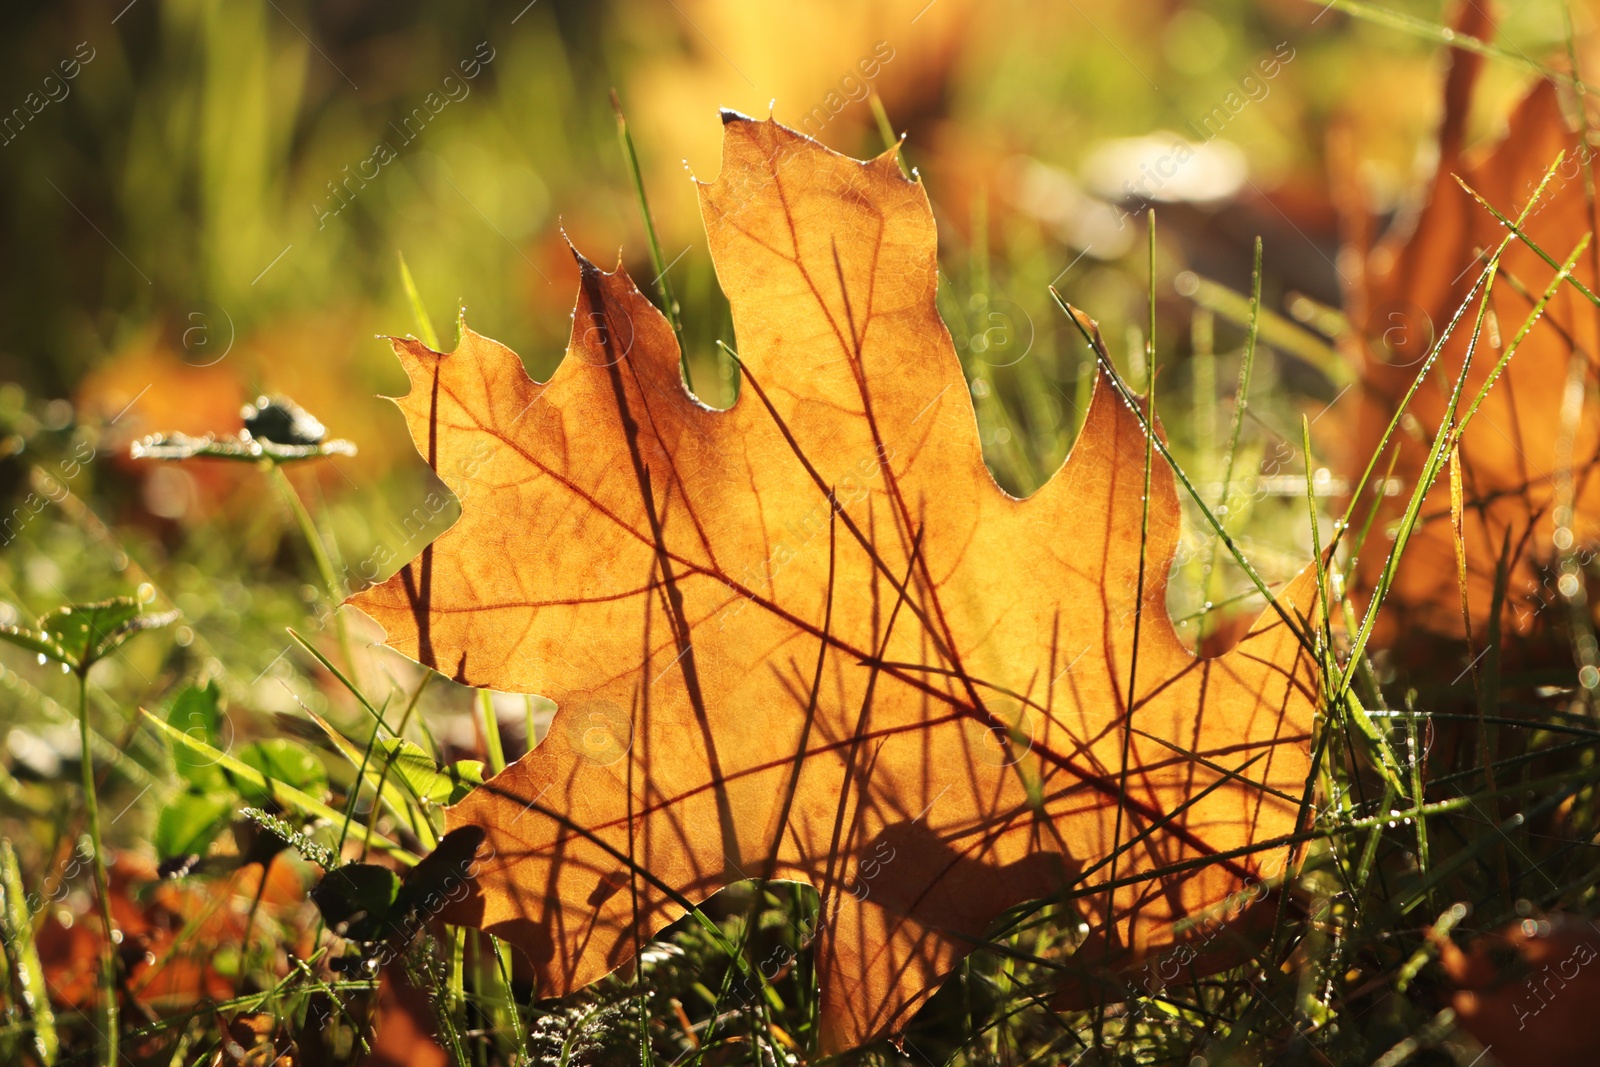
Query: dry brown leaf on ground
[809, 638]
[1531, 430]
[1528, 992]
[404, 1028]
[167, 932]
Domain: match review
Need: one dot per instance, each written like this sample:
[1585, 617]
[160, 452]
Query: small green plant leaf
[190, 821]
[427, 779]
[358, 901]
[34, 641]
[197, 712]
[80, 635]
[91, 632]
[367, 902]
[281, 761]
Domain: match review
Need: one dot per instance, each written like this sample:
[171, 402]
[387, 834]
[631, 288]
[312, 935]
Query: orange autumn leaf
[404, 1031]
[1527, 993]
[809, 638]
[168, 933]
[1534, 431]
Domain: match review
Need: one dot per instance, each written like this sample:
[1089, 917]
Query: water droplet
[43, 659]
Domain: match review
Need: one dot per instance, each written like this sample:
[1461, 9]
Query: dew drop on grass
[42, 659]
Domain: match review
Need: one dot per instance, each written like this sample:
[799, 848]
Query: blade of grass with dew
[1327, 664]
[27, 976]
[1450, 432]
[1458, 535]
[1325, 635]
[1417, 790]
[1434, 353]
[1563, 273]
[1241, 399]
[880, 115]
[419, 312]
[1432, 31]
[1425, 480]
[1522, 235]
[493, 748]
[1131, 701]
[669, 303]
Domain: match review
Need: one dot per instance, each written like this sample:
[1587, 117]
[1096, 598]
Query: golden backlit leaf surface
[1533, 430]
[788, 639]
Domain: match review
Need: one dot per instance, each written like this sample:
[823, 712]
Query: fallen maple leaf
[808, 638]
[1528, 435]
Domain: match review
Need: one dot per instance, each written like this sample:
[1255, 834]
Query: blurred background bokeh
[204, 200]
